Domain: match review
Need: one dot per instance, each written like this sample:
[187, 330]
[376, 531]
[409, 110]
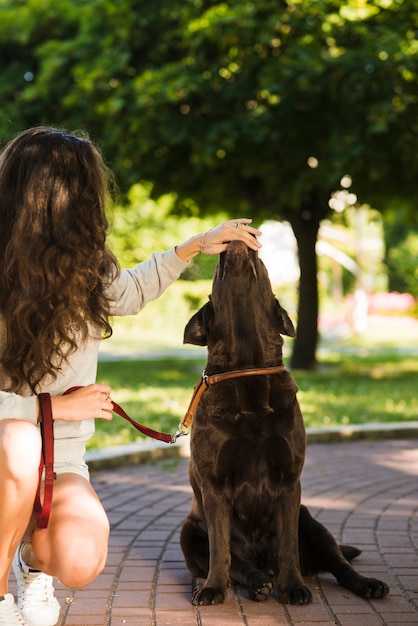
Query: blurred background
[300, 114]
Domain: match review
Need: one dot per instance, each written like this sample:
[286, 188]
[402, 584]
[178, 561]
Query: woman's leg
[74, 546]
[20, 453]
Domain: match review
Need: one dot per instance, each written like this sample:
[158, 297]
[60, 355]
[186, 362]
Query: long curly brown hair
[54, 263]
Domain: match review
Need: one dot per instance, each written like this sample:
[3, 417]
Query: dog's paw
[370, 588]
[208, 595]
[378, 589]
[260, 585]
[295, 595]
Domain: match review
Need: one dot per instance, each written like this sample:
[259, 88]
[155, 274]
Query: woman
[59, 284]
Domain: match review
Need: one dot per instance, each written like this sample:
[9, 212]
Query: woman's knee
[20, 450]
[74, 547]
[81, 558]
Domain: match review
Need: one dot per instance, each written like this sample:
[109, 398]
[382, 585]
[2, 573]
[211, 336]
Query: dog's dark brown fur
[246, 525]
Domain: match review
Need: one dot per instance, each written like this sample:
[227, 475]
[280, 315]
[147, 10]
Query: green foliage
[402, 265]
[401, 253]
[225, 103]
[142, 225]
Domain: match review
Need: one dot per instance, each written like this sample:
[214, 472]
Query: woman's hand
[83, 404]
[215, 240]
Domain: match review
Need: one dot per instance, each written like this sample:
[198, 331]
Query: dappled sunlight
[406, 462]
[318, 502]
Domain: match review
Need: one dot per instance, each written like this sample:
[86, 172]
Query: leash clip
[181, 432]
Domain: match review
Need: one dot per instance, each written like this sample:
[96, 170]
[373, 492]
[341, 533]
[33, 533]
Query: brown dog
[246, 525]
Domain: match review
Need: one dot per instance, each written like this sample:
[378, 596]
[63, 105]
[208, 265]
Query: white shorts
[77, 466]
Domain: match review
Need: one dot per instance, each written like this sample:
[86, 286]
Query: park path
[365, 492]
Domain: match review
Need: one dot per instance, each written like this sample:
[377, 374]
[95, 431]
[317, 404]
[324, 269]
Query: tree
[402, 265]
[257, 108]
[401, 245]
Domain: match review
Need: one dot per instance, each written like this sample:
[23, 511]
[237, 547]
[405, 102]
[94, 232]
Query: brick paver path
[366, 493]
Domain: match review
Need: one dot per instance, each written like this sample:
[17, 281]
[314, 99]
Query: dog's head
[243, 322]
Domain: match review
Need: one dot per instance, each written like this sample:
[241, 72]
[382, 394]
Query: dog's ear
[285, 323]
[197, 328]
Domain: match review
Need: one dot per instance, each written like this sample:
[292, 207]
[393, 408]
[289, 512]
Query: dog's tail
[350, 552]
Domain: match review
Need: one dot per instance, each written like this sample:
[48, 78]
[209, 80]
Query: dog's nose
[237, 247]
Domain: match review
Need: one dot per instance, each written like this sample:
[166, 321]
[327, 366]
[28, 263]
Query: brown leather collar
[206, 381]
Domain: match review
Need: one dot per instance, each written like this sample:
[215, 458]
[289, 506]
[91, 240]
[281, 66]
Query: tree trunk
[305, 227]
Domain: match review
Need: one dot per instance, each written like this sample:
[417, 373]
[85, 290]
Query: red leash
[149, 432]
[43, 510]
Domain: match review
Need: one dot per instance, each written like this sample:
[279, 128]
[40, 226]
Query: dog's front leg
[292, 589]
[218, 522]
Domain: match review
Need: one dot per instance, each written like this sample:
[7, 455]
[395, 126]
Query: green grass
[353, 389]
[359, 390]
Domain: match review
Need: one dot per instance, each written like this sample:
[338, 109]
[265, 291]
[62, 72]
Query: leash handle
[149, 432]
[43, 508]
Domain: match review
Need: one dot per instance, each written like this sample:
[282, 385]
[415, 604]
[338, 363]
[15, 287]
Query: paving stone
[365, 492]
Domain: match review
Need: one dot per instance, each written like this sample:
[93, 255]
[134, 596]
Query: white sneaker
[9, 613]
[35, 594]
